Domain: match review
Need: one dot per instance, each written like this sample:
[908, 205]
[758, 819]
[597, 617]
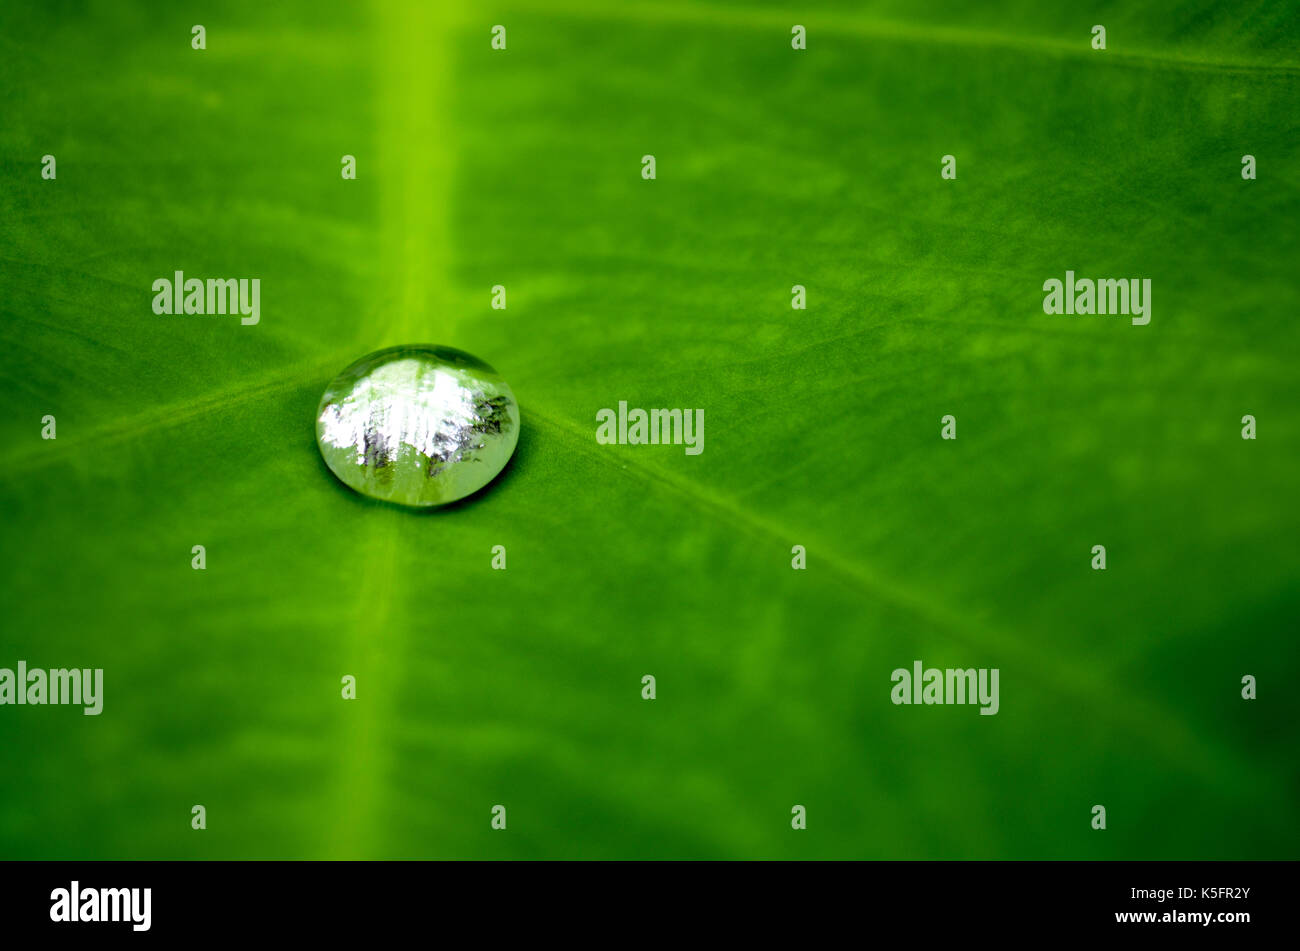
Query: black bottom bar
[1177, 900]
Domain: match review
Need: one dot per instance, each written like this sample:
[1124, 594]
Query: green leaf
[522, 687]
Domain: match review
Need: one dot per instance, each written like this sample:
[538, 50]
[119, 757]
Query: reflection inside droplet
[417, 425]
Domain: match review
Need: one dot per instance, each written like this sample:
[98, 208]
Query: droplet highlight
[419, 425]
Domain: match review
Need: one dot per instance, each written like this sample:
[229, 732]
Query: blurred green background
[522, 167]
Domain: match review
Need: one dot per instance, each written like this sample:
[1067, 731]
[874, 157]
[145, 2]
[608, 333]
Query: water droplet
[419, 425]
